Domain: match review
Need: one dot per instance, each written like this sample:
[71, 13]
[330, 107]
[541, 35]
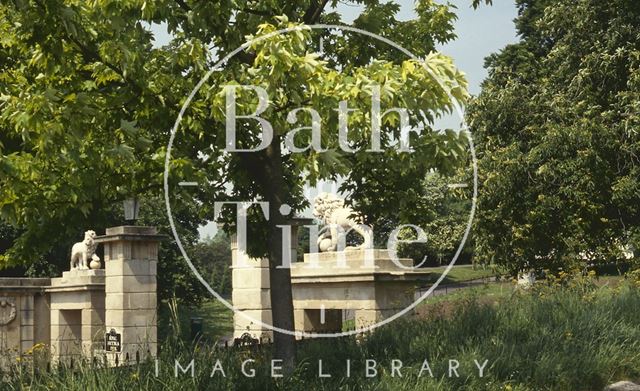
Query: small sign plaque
[113, 342]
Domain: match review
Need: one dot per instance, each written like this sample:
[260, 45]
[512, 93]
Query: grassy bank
[461, 273]
[217, 320]
[561, 338]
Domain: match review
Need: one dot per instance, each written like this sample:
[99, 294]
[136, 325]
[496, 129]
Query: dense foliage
[88, 101]
[558, 132]
[212, 257]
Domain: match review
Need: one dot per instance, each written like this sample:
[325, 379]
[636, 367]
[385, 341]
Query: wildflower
[35, 348]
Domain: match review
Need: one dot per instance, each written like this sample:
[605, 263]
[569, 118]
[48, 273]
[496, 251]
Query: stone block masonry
[131, 259]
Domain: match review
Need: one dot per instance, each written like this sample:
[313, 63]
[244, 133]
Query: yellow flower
[35, 348]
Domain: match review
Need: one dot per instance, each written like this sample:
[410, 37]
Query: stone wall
[24, 317]
[77, 314]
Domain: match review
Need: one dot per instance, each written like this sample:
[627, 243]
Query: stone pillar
[250, 293]
[131, 259]
[251, 289]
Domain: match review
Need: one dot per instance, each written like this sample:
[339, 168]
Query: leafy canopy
[87, 101]
[557, 126]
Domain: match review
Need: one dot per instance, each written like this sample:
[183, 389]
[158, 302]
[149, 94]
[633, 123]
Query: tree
[212, 256]
[88, 103]
[557, 129]
[175, 278]
[443, 212]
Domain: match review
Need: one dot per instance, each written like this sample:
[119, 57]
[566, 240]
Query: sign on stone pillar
[131, 259]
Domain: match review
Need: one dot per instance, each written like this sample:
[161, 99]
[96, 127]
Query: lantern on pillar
[131, 209]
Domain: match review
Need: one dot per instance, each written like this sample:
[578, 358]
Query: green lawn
[461, 273]
[216, 318]
[611, 281]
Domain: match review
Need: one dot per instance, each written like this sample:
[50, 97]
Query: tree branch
[257, 12]
[183, 5]
[312, 15]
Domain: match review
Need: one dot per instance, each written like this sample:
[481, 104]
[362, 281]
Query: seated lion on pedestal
[340, 219]
[83, 252]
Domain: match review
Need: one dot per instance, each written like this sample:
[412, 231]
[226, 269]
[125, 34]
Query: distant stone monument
[526, 279]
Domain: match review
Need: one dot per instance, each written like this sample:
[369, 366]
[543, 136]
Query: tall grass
[578, 338]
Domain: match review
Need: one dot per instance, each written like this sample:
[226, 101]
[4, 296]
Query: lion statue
[84, 251]
[340, 219]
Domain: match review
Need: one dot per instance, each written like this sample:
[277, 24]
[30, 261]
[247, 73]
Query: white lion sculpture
[340, 219]
[84, 251]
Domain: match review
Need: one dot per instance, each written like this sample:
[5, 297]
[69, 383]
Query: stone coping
[349, 255]
[84, 273]
[96, 286]
[364, 276]
[132, 229]
[349, 266]
[130, 238]
[24, 282]
[130, 233]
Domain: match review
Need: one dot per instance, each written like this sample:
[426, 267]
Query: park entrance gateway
[89, 312]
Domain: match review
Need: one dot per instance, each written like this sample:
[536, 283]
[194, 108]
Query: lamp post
[131, 209]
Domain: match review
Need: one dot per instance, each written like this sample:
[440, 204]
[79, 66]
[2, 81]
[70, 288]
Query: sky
[480, 32]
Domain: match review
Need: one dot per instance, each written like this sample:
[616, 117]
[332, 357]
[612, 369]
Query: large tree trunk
[281, 301]
[268, 172]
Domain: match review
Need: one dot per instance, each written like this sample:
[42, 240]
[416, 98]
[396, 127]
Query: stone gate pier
[131, 264]
[325, 286]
